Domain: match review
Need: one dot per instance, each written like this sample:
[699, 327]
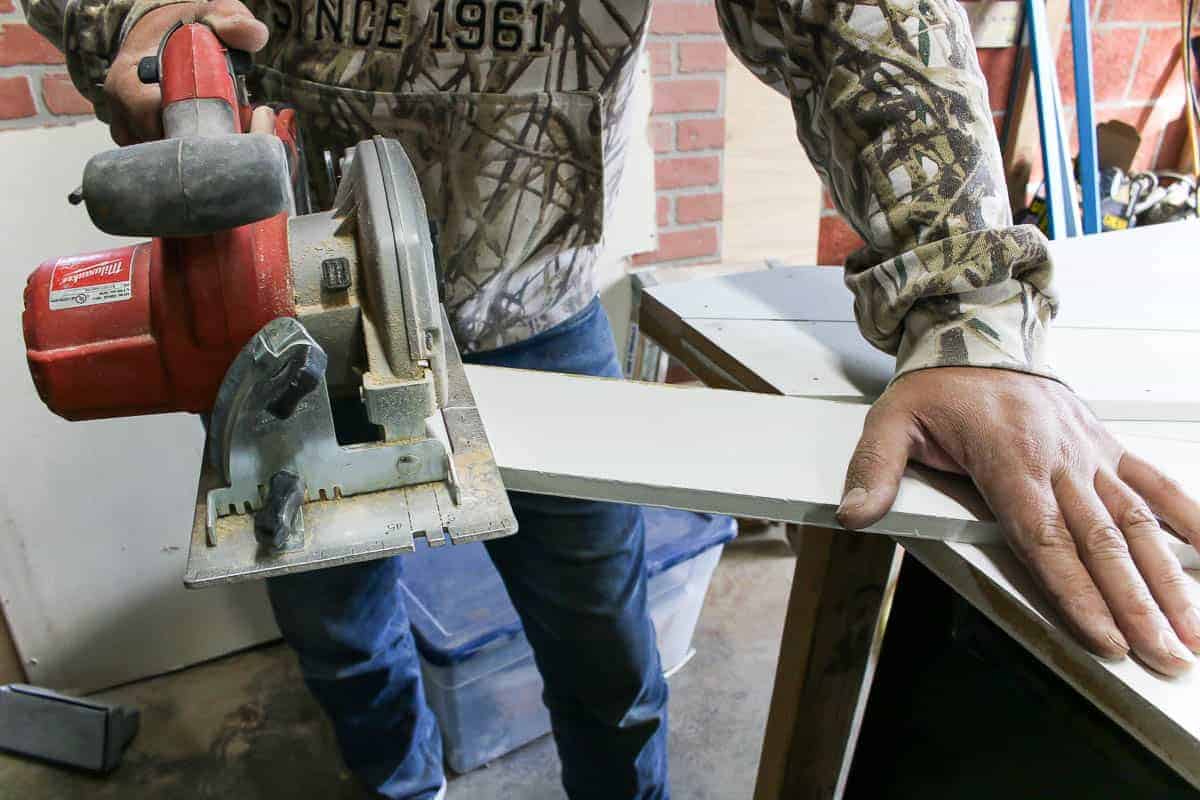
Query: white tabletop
[1126, 298]
[1132, 356]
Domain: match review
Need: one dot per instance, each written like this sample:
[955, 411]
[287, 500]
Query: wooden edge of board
[657, 321]
[714, 367]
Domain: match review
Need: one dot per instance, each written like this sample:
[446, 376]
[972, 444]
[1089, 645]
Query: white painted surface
[1164, 714]
[831, 359]
[94, 517]
[809, 294]
[1154, 429]
[1139, 278]
[784, 458]
[726, 452]
[1143, 278]
[711, 450]
[1131, 374]
[825, 359]
[794, 328]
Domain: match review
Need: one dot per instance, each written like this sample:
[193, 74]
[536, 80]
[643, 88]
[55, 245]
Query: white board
[1142, 278]
[94, 517]
[784, 458]
[811, 294]
[739, 453]
[832, 360]
[1176, 431]
[1117, 365]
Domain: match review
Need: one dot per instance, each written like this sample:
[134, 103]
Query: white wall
[95, 517]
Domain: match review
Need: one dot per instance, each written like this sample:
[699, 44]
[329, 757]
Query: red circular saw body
[152, 327]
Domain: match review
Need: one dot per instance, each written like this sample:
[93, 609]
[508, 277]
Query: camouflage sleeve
[891, 105]
[88, 32]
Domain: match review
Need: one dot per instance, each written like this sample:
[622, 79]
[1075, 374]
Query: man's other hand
[135, 106]
[1077, 509]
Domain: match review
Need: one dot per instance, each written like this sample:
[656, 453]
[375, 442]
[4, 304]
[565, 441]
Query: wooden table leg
[11, 670]
[841, 592]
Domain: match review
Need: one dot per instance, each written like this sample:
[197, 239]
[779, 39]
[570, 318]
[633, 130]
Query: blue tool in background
[1089, 162]
[1062, 206]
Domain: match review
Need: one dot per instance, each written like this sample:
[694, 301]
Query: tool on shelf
[1062, 202]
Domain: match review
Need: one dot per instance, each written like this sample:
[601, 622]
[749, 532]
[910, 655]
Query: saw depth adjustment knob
[279, 518]
[300, 374]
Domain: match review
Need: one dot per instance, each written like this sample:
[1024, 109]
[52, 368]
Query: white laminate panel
[1144, 278]
[1121, 374]
[739, 453]
[95, 516]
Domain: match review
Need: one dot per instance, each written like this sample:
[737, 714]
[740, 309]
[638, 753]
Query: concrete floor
[244, 728]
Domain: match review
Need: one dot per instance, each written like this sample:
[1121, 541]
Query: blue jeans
[575, 572]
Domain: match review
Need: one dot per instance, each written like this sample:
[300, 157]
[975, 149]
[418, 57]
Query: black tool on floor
[66, 730]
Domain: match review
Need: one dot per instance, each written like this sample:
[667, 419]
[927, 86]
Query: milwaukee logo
[108, 268]
[70, 274]
[94, 279]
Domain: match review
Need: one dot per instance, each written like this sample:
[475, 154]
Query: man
[515, 113]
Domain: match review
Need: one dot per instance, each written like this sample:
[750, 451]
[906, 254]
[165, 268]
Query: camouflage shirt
[516, 115]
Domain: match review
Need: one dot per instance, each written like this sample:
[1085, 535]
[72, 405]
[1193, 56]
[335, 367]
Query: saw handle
[209, 175]
[201, 83]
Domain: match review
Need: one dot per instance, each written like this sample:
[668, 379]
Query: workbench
[790, 330]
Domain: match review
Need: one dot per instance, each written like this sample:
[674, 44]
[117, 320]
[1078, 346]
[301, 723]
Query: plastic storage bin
[480, 679]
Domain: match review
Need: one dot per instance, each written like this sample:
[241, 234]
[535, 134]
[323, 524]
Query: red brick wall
[34, 87]
[687, 55]
[1137, 79]
[687, 126]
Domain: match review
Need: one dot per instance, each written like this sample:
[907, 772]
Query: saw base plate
[345, 530]
[361, 527]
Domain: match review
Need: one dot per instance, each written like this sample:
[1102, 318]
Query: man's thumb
[873, 477]
[236, 26]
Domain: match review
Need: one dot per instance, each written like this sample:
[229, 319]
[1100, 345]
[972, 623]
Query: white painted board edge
[1162, 713]
[737, 453]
